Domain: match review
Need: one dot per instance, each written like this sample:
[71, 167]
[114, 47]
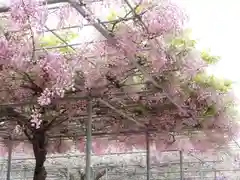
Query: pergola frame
[108, 36]
[97, 24]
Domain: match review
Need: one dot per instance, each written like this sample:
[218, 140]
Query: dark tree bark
[98, 176]
[39, 142]
[38, 139]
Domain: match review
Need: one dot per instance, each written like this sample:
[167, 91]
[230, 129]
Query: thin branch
[58, 123]
[100, 174]
[11, 113]
[34, 87]
[146, 74]
[59, 37]
[25, 130]
[109, 36]
[54, 120]
[82, 175]
[27, 134]
[123, 114]
[126, 18]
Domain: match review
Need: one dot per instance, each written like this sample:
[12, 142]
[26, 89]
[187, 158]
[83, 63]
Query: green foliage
[210, 111]
[136, 80]
[112, 16]
[184, 41]
[139, 9]
[220, 84]
[209, 58]
[112, 19]
[140, 110]
[52, 40]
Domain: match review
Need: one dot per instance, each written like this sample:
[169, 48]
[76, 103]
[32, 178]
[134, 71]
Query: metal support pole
[2, 168]
[10, 146]
[106, 175]
[24, 173]
[215, 175]
[148, 155]
[181, 165]
[89, 141]
[68, 174]
[201, 173]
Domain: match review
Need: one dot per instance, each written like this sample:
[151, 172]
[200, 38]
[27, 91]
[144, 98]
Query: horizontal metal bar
[32, 102]
[123, 114]
[96, 134]
[72, 156]
[6, 8]
[68, 98]
[106, 134]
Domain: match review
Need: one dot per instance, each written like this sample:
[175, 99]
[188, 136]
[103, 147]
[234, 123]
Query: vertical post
[2, 168]
[68, 173]
[201, 175]
[106, 175]
[201, 172]
[148, 155]
[89, 141]
[181, 165]
[215, 175]
[24, 173]
[10, 146]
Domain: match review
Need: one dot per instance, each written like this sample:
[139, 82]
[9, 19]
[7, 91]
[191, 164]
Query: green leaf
[112, 16]
[139, 9]
[205, 55]
[52, 40]
[66, 50]
[140, 110]
[138, 78]
[210, 111]
[220, 84]
[184, 41]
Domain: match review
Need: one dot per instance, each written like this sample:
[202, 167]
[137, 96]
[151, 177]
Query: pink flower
[36, 119]
[164, 18]
[4, 50]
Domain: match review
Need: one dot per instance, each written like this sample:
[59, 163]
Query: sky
[215, 26]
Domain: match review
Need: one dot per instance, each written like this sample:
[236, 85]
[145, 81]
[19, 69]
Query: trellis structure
[177, 161]
[174, 165]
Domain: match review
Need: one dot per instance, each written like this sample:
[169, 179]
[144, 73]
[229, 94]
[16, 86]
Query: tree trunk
[40, 152]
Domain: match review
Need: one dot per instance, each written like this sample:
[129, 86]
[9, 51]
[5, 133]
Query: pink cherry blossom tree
[146, 56]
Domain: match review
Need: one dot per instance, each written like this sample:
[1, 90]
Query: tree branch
[49, 126]
[27, 134]
[82, 175]
[11, 113]
[33, 86]
[100, 174]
